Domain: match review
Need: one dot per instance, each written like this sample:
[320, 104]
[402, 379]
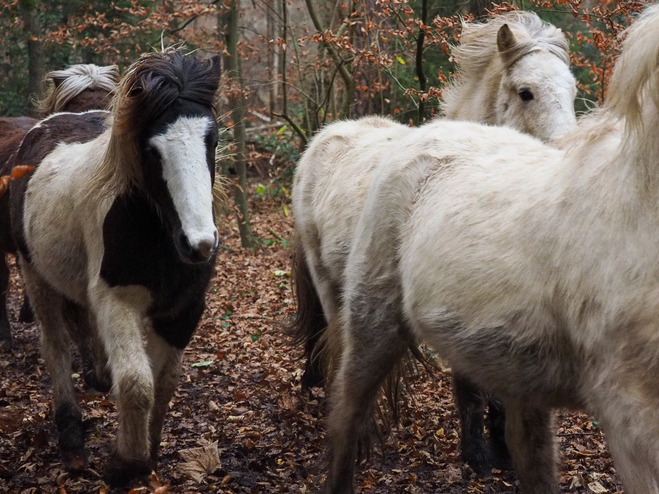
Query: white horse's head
[537, 90]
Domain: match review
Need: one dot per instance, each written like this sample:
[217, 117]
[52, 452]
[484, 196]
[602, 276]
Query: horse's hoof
[26, 314]
[121, 472]
[74, 460]
[501, 460]
[479, 461]
[312, 378]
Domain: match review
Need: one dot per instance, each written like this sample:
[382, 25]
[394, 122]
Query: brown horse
[78, 88]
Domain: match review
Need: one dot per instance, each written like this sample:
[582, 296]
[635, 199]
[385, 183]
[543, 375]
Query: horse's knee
[136, 392]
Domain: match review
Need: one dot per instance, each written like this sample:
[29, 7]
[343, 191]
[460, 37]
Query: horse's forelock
[150, 86]
[478, 47]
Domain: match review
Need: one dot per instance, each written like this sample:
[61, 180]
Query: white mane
[64, 85]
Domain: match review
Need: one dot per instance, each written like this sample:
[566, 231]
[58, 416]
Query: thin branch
[295, 127]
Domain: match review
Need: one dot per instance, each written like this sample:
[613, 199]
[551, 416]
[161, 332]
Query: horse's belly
[511, 361]
[56, 243]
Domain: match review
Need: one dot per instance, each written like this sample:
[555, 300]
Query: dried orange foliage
[17, 172]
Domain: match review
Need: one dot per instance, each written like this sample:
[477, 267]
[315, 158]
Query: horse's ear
[216, 64]
[505, 39]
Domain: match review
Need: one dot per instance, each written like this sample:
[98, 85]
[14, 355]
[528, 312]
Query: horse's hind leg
[26, 313]
[56, 352]
[471, 411]
[530, 438]
[5, 331]
[372, 349]
[94, 359]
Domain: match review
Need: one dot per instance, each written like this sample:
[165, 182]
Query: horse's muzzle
[199, 251]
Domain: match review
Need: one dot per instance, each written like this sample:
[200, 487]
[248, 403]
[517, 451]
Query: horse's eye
[525, 94]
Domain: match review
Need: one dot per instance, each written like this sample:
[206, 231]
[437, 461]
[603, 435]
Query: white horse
[519, 66]
[530, 270]
[116, 238]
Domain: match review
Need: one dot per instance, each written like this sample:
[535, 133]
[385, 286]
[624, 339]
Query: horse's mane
[635, 79]
[64, 85]
[149, 87]
[478, 48]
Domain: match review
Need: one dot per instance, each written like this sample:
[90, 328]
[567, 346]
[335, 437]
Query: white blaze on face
[182, 148]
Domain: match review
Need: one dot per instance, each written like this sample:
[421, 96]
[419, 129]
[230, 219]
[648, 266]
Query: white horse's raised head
[537, 90]
[514, 71]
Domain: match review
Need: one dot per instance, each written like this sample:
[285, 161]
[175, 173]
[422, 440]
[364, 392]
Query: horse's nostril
[183, 244]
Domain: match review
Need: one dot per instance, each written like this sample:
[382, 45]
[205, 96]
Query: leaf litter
[238, 418]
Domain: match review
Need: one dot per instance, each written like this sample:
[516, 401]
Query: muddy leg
[372, 349]
[56, 352]
[530, 438]
[5, 331]
[471, 411]
[496, 423]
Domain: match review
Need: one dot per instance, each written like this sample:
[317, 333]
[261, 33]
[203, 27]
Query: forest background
[290, 66]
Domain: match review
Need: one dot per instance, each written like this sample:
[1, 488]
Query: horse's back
[332, 180]
[42, 205]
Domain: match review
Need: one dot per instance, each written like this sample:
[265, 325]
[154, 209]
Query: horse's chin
[195, 259]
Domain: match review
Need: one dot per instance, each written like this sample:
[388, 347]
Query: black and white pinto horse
[116, 237]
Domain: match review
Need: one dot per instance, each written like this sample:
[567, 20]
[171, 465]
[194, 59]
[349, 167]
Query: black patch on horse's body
[144, 254]
[39, 142]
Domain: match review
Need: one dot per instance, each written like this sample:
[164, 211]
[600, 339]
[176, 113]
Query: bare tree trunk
[272, 56]
[284, 32]
[237, 104]
[419, 61]
[30, 16]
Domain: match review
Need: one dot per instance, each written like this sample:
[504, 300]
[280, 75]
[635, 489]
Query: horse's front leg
[530, 438]
[166, 365]
[119, 315]
[5, 330]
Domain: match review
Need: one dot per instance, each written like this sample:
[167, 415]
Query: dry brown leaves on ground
[239, 395]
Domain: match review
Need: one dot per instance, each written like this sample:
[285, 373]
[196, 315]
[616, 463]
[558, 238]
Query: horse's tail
[309, 326]
[636, 75]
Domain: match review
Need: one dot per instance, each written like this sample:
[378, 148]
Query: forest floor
[240, 388]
